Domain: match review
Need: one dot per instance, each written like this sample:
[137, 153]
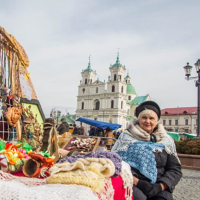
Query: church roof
[89, 69]
[69, 118]
[138, 100]
[130, 89]
[117, 64]
[129, 118]
[179, 111]
[127, 76]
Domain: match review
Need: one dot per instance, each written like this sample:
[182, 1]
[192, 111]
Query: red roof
[179, 111]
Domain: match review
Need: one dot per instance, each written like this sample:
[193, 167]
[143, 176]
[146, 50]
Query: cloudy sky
[155, 39]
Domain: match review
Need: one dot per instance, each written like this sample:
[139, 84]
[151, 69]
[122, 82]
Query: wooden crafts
[83, 144]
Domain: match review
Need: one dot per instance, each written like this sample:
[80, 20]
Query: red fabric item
[118, 188]
[19, 174]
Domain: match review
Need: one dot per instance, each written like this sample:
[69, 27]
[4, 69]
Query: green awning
[175, 136]
[190, 135]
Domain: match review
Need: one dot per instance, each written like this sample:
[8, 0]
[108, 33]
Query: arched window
[96, 89]
[112, 104]
[129, 98]
[121, 104]
[113, 88]
[82, 105]
[115, 77]
[85, 81]
[122, 89]
[83, 90]
[97, 106]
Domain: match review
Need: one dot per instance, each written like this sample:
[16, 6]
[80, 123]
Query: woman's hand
[163, 186]
[135, 180]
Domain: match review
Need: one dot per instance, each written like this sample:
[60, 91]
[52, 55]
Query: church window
[129, 97]
[85, 81]
[112, 104]
[121, 104]
[82, 105]
[115, 77]
[122, 89]
[97, 106]
[113, 88]
[83, 90]
[97, 90]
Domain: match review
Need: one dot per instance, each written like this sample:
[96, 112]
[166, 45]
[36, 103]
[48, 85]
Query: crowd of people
[79, 130]
[65, 127]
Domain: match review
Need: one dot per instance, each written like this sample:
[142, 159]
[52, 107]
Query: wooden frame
[68, 145]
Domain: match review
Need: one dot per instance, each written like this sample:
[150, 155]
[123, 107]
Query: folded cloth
[114, 157]
[105, 166]
[91, 178]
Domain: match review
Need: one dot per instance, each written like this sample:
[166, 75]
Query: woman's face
[148, 122]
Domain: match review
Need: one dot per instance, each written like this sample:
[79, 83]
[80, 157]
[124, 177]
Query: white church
[114, 101]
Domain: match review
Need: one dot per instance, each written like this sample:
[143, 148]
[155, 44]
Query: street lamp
[55, 114]
[188, 70]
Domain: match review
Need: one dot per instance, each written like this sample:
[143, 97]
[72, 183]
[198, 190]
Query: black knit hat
[63, 119]
[151, 105]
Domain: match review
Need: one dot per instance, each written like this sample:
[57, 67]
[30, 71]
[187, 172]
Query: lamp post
[55, 114]
[188, 70]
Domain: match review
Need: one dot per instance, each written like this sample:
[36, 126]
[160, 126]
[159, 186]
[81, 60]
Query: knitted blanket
[140, 156]
[114, 157]
[90, 172]
[23, 188]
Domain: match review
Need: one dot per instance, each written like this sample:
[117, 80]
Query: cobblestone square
[189, 186]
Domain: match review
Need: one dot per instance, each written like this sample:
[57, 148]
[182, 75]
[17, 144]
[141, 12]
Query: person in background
[118, 134]
[99, 132]
[75, 131]
[80, 130]
[71, 128]
[151, 153]
[83, 130]
[91, 131]
[109, 142]
[64, 127]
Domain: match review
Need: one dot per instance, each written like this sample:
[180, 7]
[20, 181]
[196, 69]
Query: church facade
[113, 101]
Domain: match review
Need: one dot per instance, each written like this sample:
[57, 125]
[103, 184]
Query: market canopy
[174, 135]
[190, 135]
[99, 124]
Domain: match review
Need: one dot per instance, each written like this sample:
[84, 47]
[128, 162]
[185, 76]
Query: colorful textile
[140, 156]
[114, 157]
[120, 191]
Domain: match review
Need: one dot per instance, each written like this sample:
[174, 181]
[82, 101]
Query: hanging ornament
[27, 76]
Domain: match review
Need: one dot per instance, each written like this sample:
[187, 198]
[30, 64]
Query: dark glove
[149, 189]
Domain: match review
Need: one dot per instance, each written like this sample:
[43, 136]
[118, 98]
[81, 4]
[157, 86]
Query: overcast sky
[156, 38]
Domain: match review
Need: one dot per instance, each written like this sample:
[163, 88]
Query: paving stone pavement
[189, 186]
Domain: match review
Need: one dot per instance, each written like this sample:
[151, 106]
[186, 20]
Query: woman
[151, 153]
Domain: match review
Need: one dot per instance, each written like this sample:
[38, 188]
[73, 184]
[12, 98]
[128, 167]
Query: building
[113, 101]
[180, 119]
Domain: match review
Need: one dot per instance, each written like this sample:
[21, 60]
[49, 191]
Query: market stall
[31, 165]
